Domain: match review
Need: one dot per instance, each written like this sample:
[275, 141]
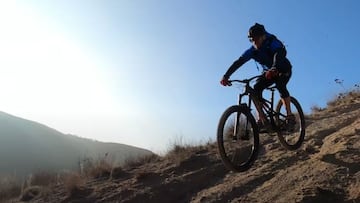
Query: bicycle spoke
[237, 139]
[291, 135]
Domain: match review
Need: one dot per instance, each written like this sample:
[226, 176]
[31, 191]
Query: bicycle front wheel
[238, 138]
[293, 137]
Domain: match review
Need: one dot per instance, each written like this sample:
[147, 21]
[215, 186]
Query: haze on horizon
[146, 73]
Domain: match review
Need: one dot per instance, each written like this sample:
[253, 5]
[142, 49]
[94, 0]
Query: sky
[146, 72]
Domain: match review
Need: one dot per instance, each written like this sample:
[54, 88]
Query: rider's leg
[286, 103]
[290, 118]
[285, 97]
[259, 86]
[281, 83]
[258, 105]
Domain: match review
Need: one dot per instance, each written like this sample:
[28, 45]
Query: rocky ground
[325, 169]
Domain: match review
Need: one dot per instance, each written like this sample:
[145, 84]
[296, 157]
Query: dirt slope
[325, 169]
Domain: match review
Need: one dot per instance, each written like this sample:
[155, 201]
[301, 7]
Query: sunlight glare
[45, 71]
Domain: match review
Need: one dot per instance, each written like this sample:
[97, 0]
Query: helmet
[256, 30]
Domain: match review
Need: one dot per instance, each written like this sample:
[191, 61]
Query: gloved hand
[271, 74]
[225, 82]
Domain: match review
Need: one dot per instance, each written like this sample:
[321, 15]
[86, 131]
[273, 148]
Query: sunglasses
[253, 39]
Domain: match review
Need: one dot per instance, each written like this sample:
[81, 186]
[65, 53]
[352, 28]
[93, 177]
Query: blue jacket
[272, 54]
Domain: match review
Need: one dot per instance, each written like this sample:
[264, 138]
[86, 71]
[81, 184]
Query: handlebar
[246, 81]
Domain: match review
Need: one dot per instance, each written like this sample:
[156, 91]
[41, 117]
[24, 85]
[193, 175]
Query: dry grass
[117, 172]
[41, 184]
[97, 169]
[38, 184]
[9, 188]
[34, 186]
[341, 99]
[31, 193]
[316, 109]
[42, 179]
[180, 151]
[135, 162]
[348, 97]
[73, 183]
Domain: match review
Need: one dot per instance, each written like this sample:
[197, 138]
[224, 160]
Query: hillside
[325, 169]
[27, 146]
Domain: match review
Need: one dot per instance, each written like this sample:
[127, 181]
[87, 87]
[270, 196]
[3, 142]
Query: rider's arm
[279, 54]
[246, 56]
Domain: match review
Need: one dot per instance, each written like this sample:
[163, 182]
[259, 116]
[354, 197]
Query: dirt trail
[325, 169]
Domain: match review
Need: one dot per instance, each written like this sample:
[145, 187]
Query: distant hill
[27, 146]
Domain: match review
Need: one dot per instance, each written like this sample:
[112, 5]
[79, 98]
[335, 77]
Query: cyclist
[267, 50]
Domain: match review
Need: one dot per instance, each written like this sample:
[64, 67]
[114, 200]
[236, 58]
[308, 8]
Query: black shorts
[280, 81]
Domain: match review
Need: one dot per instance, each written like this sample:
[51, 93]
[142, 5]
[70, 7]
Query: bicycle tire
[228, 157]
[299, 133]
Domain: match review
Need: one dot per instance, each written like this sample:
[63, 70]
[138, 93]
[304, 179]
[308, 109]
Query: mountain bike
[238, 132]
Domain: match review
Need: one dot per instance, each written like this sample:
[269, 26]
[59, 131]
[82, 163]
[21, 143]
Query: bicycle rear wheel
[238, 138]
[292, 138]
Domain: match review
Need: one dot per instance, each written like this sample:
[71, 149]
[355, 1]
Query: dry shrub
[117, 172]
[9, 188]
[31, 193]
[144, 175]
[38, 184]
[180, 154]
[42, 179]
[141, 160]
[348, 97]
[73, 183]
[181, 151]
[98, 169]
[315, 109]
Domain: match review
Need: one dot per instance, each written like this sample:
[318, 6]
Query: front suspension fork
[237, 118]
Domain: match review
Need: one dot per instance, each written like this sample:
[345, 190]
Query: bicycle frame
[267, 105]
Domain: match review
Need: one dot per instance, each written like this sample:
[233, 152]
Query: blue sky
[146, 73]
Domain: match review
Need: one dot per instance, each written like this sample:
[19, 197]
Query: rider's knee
[284, 94]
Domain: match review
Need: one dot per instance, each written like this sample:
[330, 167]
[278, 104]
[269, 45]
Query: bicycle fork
[245, 135]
